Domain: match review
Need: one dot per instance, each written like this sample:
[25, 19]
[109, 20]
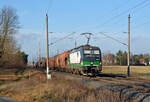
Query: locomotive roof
[84, 46]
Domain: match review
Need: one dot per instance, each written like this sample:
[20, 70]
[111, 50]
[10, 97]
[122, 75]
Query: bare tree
[108, 58]
[8, 26]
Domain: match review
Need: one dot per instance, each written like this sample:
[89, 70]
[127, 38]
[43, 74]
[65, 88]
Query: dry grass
[38, 89]
[136, 71]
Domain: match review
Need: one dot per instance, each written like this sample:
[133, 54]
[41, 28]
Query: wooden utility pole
[47, 60]
[128, 46]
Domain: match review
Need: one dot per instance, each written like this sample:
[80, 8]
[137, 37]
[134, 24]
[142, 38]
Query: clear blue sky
[66, 16]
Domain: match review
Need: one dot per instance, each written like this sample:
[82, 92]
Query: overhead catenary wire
[112, 38]
[135, 27]
[114, 17]
[147, 22]
[135, 11]
[138, 9]
[69, 36]
[120, 6]
[123, 13]
[126, 11]
[63, 38]
[140, 25]
[112, 10]
[118, 15]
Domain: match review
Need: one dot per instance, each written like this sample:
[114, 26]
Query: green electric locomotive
[85, 59]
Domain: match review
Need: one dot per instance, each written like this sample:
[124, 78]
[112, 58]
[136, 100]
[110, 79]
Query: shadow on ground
[112, 75]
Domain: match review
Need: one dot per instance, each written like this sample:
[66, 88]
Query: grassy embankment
[136, 71]
[38, 89]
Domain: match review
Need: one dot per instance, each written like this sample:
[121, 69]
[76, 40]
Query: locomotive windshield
[87, 51]
[91, 53]
[96, 52]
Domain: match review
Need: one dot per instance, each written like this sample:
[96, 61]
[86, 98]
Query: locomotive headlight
[100, 63]
[81, 62]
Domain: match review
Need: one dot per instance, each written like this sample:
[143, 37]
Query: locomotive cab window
[87, 51]
[96, 52]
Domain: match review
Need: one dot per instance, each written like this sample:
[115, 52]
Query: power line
[112, 38]
[63, 38]
[121, 14]
[137, 26]
[112, 10]
[141, 7]
[124, 12]
[120, 6]
[137, 10]
[140, 25]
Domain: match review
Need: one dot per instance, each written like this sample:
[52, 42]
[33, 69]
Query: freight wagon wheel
[67, 70]
[82, 72]
[76, 71]
[93, 74]
[72, 71]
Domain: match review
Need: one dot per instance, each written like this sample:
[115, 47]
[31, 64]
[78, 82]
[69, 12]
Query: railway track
[135, 90]
[142, 85]
[114, 79]
[128, 88]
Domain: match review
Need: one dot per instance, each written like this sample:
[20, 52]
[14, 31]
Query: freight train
[84, 60]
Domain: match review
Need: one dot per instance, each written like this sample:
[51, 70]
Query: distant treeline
[120, 58]
[10, 54]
